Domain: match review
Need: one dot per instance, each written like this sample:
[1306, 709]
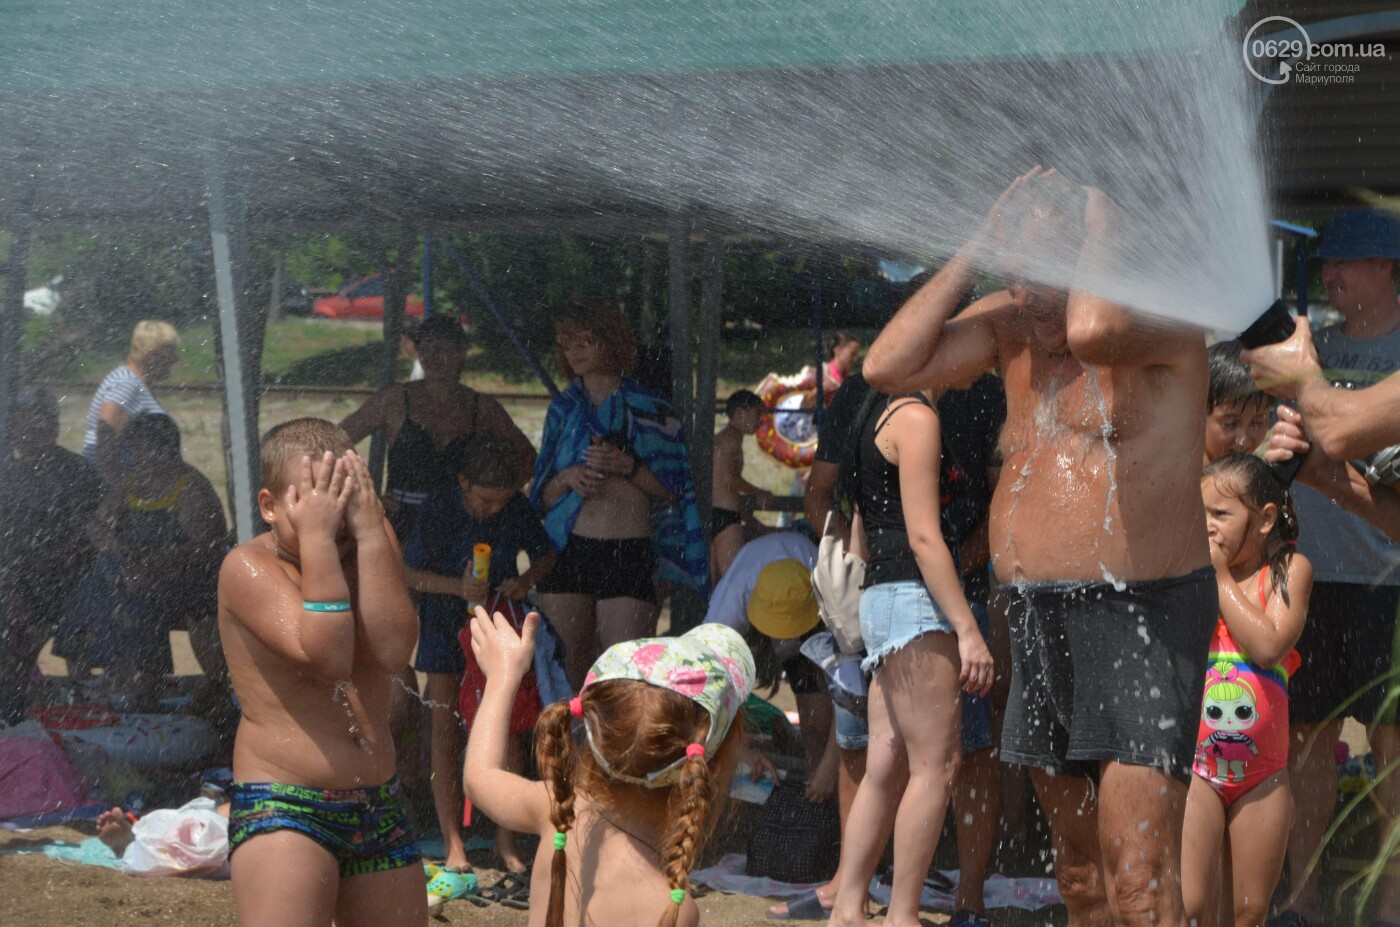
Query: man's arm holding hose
[1343, 423]
[1337, 480]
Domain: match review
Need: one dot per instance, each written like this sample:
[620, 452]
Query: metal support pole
[702, 439]
[240, 410]
[12, 322]
[682, 338]
[427, 277]
[395, 299]
[479, 288]
[647, 316]
[818, 338]
[1300, 276]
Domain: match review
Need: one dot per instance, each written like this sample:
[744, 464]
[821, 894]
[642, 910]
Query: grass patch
[292, 353]
[320, 352]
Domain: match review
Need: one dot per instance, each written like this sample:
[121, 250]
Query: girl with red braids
[634, 770]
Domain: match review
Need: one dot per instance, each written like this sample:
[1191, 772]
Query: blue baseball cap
[1361, 233]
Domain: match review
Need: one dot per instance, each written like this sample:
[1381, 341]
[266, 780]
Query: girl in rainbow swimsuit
[1240, 786]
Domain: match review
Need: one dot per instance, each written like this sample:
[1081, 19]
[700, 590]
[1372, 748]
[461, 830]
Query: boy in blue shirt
[485, 507]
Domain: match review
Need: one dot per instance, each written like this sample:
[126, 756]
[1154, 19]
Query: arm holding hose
[1338, 480]
[1343, 423]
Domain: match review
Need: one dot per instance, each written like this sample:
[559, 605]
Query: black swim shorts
[616, 568]
[1103, 671]
[1347, 645]
[720, 519]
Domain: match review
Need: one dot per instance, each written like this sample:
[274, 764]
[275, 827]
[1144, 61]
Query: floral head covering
[710, 665]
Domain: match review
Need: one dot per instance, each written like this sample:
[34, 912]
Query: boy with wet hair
[1238, 413]
[484, 506]
[315, 621]
[745, 409]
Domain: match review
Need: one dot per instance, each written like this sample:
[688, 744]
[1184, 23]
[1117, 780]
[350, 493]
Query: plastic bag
[190, 840]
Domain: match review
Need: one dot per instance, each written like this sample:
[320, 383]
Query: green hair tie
[560, 839]
[677, 895]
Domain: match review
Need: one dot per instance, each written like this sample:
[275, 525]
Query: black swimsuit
[417, 466]
[722, 519]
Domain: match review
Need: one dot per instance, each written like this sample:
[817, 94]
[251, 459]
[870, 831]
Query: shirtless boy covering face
[315, 620]
[1097, 533]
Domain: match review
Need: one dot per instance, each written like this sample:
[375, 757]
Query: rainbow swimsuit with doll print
[1243, 737]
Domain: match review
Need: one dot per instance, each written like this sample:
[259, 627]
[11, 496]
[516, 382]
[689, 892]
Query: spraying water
[887, 127]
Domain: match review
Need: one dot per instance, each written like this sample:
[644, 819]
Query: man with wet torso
[1098, 533]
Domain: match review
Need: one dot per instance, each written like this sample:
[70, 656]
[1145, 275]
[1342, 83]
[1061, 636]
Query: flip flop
[806, 907]
[450, 885]
[507, 887]
[520, 900]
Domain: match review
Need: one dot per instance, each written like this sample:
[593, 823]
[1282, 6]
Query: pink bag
[36, 778]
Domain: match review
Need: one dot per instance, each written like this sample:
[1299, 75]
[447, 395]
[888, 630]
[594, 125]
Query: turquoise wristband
[325, 606]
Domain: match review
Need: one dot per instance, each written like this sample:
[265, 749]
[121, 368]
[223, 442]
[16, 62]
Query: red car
[363, 299]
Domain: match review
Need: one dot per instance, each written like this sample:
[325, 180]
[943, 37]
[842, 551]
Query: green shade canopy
[58, 45]
[484, 111]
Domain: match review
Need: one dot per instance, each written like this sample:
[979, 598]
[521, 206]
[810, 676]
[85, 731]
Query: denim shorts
[853, 728]
[893, 616]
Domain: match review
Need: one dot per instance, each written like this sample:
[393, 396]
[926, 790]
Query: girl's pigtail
[554, 755]
[1283, 542]
[691, 801]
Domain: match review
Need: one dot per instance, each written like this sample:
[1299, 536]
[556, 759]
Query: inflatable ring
[790, 437]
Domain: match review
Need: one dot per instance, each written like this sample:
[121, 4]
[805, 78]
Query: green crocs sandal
[450, 885]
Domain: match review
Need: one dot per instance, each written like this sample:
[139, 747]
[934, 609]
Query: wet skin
[315, 709]
[1109, 456]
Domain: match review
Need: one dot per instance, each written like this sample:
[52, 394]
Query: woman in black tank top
[923, 644]
[428, 423]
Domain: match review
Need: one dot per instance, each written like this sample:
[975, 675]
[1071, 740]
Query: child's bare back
[315, 620]
[626, 887]
[623, 820]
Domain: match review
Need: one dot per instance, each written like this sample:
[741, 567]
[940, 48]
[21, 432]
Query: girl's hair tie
[561, 839]
[677, 896]
[1293, 543]
[576, 707]
[694, 750]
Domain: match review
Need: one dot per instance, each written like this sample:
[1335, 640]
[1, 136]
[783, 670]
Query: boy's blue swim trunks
[366, 830]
